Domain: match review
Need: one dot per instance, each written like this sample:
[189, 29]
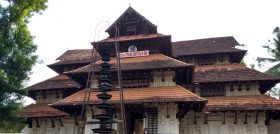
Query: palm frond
[261, 60]
[274, 70]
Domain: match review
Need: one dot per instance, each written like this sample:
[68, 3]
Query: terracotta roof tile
[57, 82]
[257, 102]
[40, 110]
[74, 56]
[229, 73]
[205, 46]
[133, 37]
[153, 61]
[137, 95]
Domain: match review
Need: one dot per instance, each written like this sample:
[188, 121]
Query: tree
[16, 55]
[273, 49]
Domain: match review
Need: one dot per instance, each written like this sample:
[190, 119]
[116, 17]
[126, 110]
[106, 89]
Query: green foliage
[11, 123]
[242, 63]
[273, 49]
[16, 56]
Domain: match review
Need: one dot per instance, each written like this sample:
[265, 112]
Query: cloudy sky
[73, 24]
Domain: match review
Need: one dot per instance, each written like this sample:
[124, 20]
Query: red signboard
[134, 54]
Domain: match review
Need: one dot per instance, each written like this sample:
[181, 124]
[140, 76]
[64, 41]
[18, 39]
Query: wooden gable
[132, 23]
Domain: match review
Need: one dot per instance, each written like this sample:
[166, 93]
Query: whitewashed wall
[50, 96]
[171, 125]
[167, 76]
[68, 127]
[273, 127]
[167, 121]
[215, 124]
[253, 89]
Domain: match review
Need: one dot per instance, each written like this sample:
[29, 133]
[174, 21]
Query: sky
[73, 24]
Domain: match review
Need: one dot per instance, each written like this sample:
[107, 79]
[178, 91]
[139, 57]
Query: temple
[183, 87]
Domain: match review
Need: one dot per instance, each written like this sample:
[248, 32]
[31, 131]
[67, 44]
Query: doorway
[135, 123]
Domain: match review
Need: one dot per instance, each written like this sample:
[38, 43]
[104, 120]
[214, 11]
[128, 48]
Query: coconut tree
[273, 49]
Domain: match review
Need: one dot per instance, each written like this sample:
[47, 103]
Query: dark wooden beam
[194, 118]
[57, 94]
[224, 120]
[60, 121]
[29, 121]
[235, 117]
[231, 87]
[52, 121]
[267, 121]
[167, 111]
[92, 112]
[205, 118]
[256, 120]
[181, 113]
[76, 120]
[246, 115]
[37, 122]
[44, 94]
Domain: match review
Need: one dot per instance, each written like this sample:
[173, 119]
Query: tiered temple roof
[165, 55]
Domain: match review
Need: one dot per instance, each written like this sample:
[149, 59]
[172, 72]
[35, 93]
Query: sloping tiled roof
[229, 73]
[205, 46]
[133, 37]
[57, 82]
[257, 102]
[74, 56]
[153, 61]
[40, 110]
[137, 95]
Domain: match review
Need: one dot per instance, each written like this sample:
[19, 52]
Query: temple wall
[273, 127]
[167, 121]
[169, 124]
[215, 125]
[208, 60]
[246, 89]
[68, 127]
[163, 79]
[50, 96]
